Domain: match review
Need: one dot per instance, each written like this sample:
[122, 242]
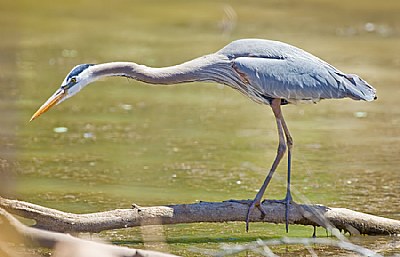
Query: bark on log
[67, 245]
[302, 214]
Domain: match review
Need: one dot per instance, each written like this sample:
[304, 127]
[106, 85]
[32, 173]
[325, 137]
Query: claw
[255, 203]
[287, 216]
[261, 209]
[246, 202]
[287, 201]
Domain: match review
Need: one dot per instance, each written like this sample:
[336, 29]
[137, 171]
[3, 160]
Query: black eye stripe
[71, 82]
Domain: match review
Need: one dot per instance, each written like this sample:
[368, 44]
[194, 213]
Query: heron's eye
[73, 80]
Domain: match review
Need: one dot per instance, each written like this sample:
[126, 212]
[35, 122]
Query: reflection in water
[128, 142]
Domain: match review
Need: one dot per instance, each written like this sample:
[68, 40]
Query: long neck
[206, 68]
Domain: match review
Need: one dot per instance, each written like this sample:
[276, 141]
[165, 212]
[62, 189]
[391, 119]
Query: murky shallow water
[128, 142]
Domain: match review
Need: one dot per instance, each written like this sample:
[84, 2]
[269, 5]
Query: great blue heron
[269, 72]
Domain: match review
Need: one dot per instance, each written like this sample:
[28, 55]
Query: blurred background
[121, 142]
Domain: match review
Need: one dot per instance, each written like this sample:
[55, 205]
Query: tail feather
[359, 89]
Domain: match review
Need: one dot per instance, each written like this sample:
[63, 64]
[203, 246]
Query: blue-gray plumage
[278, 70]
[269, 72]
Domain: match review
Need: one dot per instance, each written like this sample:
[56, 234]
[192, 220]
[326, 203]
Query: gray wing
[300, 78]
[275, 69]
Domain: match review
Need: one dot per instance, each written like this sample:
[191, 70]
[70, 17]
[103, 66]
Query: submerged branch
[314, 215]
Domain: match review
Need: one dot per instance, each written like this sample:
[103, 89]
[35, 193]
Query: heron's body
[269, 72]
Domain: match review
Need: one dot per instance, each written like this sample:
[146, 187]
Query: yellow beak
[53, 100]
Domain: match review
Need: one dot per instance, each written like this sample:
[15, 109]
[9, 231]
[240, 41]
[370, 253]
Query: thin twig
[296, 241]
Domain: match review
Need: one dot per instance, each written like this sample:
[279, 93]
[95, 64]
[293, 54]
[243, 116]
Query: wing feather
[295, 78]
[279, 70]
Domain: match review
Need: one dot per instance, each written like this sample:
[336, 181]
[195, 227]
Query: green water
[182, 144]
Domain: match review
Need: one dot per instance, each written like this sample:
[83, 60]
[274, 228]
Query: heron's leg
[288, 198]
[276, 108]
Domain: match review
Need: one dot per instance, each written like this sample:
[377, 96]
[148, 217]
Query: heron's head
[78, 78]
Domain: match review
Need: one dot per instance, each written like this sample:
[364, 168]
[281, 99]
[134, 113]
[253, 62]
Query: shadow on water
[196, 240]
[120, 141]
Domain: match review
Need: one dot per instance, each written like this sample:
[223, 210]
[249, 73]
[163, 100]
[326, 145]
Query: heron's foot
[246, 202]
[282, 201]
[287, 201]
[255, 203]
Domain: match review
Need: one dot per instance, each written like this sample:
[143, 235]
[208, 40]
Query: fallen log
[301, 214]
[65, 244]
